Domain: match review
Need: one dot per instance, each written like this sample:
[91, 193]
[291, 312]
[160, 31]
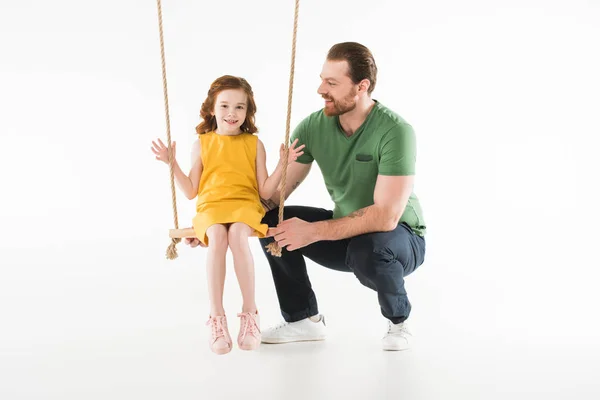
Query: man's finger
[271, 232]
[280, 236]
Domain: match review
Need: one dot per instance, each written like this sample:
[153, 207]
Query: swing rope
[172, 249]
[273, 247]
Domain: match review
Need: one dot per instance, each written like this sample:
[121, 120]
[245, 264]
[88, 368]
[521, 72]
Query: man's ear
[364, 85]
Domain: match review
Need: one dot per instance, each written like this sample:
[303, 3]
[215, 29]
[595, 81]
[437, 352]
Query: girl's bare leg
[215, 267]
[219, 339]
[249, 336]
[243, 263]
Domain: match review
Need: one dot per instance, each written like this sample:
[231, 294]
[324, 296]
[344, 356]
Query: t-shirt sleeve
[398, 151]
[301, 133]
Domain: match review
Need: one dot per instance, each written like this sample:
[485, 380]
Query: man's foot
[308, 329]
[219, 340]
[397, 337]
[249, 336]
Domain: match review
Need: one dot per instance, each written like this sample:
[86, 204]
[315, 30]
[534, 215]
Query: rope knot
[172, 249]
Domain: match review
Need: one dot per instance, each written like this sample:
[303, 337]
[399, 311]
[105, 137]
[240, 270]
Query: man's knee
[367, 249]
[375, 263]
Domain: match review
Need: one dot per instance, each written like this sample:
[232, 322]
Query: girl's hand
[161, 151]
[194, 242]
[293, 153]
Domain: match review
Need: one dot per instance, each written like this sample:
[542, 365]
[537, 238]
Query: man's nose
[320, 89]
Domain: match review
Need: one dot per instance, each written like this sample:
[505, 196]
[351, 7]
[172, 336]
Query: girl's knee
[238, 235]
[217, 236]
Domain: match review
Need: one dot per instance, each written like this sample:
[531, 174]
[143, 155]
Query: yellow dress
[228, 190]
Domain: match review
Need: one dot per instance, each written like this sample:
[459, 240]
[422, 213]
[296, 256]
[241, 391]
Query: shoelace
[397, 330]
[281, 325]
[248, 325]
[217, 327]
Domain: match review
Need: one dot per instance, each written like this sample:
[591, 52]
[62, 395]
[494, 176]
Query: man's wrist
[319, 230]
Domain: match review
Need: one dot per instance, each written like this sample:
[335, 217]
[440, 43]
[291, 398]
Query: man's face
[338, 90]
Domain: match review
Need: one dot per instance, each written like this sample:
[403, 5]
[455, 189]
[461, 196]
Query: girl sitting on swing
[229, 177]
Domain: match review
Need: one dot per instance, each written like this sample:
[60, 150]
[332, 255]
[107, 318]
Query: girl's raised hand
[161, 151]
[293, 152]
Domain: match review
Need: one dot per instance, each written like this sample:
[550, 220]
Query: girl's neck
[228, 133]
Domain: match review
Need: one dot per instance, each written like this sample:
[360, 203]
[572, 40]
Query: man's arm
[390, 198]
[296, 173]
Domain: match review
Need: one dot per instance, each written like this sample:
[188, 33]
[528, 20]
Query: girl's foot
[249, 336]
[219, 340]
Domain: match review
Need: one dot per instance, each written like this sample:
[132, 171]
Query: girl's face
[230, 111]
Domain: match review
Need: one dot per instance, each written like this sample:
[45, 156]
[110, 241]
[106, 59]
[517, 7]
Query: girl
[229, 176]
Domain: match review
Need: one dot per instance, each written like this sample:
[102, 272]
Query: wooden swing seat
[182, 233]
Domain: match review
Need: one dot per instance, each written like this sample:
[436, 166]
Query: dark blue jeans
[379, 260]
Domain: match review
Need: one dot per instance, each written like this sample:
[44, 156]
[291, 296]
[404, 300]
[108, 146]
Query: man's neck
[352, 120]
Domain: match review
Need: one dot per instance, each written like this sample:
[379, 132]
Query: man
[367, 156]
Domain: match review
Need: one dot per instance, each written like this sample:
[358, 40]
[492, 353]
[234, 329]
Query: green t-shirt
[385, 144]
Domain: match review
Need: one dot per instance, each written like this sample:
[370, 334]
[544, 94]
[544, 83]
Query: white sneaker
[308, 329]
[396, 337]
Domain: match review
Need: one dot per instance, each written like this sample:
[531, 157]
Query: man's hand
[194, 242]
[294, 234]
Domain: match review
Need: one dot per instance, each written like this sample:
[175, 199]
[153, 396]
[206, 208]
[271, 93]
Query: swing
[177, 234]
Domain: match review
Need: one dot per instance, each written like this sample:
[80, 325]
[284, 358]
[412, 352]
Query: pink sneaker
[219, 340]
[249, 336]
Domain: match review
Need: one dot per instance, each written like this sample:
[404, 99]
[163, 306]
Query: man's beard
[342, 106]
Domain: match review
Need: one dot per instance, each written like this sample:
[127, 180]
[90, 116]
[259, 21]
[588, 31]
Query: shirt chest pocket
[364, 168]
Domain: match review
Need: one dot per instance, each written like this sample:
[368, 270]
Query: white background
[504, 97]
